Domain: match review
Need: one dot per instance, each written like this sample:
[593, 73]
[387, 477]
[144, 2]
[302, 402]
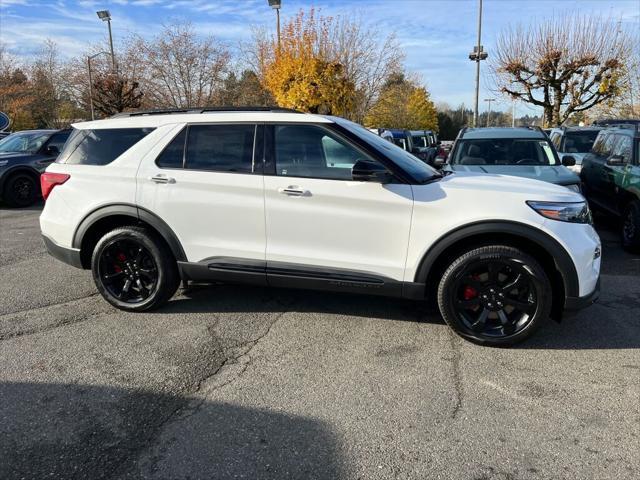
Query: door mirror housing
[52, 150]
[439, 161]
[366, 171]
[568, 160]
[616, 160]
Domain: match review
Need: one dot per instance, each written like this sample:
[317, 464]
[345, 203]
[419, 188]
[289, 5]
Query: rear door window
[623, 147]
[221, 148]
[100, 146]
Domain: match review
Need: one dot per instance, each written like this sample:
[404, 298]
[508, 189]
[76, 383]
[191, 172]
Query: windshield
[579, 142]
[23, 142]
[504, 151]
[420, 171]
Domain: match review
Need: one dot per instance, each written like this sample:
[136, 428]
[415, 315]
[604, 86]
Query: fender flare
[137, 213]
[561, 257]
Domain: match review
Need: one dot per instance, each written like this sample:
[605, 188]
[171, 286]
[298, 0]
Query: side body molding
[134, 212]
[561, 257]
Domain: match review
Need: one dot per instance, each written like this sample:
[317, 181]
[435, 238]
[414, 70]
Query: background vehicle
[521, 152]
[287, 199]
[574, 141]
[611, 178]
[23, 157]
[421, 143]
[607, 122]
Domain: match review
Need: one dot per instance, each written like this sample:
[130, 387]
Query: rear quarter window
[100, 146]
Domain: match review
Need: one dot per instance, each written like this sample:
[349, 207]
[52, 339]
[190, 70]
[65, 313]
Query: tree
[563, 65]
[114, 93]
[300, 73]
[178, 68]
[244, 91]
[343, 50]
[403, 104]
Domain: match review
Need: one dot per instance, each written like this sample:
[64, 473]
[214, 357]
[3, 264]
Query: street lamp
[89, 58]
[489, 100]
[276, 5]
[105, 16]
[477, 55]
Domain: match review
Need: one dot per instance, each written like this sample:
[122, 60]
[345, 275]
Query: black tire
[20, 190]
[631, 227]
[476, 302]
[137, 256]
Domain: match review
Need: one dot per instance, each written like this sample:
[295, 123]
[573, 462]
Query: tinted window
[420, 171]
[172, 155]
[623, 147]
[579, 142]
[58, 140]
[420, 141]
[101, 146]
[310, 151]
[221, 148]
[504, 151]
[607, 145]
[23, 142]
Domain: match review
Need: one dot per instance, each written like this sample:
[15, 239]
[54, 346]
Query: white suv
[285, 199]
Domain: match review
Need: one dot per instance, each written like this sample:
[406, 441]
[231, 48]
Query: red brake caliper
[469, 293]
[122, 257]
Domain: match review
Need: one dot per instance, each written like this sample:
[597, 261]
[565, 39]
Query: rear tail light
[48, 180]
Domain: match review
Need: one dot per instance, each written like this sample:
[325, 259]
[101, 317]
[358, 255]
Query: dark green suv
[611, 178]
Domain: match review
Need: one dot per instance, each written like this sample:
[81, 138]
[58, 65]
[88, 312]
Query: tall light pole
[477, 55]
[89, 58]
[276, 5]
[105, 16]
[489, 100]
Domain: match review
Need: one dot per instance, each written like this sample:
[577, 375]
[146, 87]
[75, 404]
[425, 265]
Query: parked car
[607, 122]
[574, 141]
[520, 151]
[611, 178]
[23, 157]
[421, 143]
[285, 199]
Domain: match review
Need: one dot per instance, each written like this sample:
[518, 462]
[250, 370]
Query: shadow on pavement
[77, 431]
[241, 298]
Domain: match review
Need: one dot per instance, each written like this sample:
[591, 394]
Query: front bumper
[69, 256]
[578, 303]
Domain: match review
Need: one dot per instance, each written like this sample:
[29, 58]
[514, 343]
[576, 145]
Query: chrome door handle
[162, 178]
[294, 191]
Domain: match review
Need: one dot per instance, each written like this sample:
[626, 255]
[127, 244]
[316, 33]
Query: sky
[436, 35]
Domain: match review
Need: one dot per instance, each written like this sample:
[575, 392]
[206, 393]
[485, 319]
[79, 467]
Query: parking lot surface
[239, 382]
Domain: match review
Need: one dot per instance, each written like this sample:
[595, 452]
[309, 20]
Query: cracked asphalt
[236, 382]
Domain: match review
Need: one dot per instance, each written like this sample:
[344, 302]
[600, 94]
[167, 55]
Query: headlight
[574, 212]
[574, 187]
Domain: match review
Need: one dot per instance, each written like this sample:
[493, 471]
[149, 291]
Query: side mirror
[52, 150]
[568, 161]
[616, 160]
[365, 171]
[439, 161]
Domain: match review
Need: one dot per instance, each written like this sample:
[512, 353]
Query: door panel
[213, 213]
[317, 217]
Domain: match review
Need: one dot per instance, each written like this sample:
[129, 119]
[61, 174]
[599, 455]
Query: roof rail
[626, 126]
[197, 110]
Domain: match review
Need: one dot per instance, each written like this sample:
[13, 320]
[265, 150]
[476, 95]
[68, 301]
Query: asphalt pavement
[233, 382]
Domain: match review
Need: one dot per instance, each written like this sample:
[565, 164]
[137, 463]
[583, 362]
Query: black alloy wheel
[495, 295]
[631, 227]
[21, 190]
[134, 269]
[128, 271]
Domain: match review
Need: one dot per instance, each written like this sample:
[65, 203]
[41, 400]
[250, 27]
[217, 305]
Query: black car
[611, 178]
[421, 143]
[23, 157]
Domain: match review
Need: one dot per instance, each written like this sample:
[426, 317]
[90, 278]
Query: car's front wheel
[495, 295]
[133, 269]
[631, 227]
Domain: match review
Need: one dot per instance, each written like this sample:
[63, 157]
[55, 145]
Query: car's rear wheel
[20, 190]
[134, 269]
[495, 295]
[631, 227]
